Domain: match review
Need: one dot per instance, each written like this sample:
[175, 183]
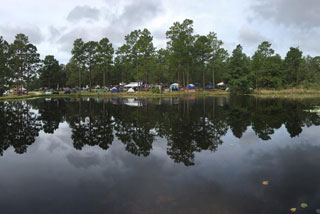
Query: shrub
[155, 90]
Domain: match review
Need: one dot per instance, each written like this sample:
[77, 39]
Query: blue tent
[114, 90]
[209, 86]
[191, 86]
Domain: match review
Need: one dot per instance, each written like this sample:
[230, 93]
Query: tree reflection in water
[188, 125]
[18, 127]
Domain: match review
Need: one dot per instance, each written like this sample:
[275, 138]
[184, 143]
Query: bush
[240, 86]
[155, 90]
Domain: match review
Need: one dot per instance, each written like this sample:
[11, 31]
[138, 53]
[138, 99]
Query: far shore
[141, 94]
[294, 93]
[264, 93]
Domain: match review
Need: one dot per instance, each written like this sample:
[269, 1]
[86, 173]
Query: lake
[172, 155]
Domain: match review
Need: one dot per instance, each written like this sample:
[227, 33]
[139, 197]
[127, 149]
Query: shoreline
[287, 93]
[33, 95]
[284, 93]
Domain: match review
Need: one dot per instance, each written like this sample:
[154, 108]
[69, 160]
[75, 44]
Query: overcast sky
[53, 25]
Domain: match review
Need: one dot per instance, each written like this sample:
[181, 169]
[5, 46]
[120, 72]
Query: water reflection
[18, 127]
[104, 156]
[188, 125]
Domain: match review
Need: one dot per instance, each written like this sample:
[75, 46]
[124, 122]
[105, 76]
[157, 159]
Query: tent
[114, 90]
[133, 85]
[191, 88]
[221, 85]
[131, 90]
[133, 103]
[209, 86]
[174, 87]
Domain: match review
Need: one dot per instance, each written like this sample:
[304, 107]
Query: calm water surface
[187, 155]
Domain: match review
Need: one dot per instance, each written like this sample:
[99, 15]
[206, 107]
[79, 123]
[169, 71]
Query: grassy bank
[284, 93]
[33, 95]
[287, 93]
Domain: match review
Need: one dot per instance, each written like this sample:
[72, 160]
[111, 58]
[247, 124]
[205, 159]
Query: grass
[287, 93]
[294, 93]
[142, 94]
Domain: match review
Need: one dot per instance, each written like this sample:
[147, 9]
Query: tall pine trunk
[104, 79]
[20, 84]
[203, 79]
[213, 78]
[188, 81]
[90, 78]
[256, 79]
[183, 80]
[79, 78]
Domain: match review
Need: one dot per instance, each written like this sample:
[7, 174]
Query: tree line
[187, 58]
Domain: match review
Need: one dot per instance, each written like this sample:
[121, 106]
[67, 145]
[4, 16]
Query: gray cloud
[33, 32]
[289, 23]
[134, 15]
[159, 34]
[300, 13]
[54, 32]
[83, 12]
[138, 12]
[250, 36]
[66, 40]
[86, 160]
[309, 44]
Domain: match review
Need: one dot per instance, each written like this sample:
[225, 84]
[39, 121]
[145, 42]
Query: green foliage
[24, 61]
[180, 46]
[160, 71]
[292, 65]
[304, 205]
[239, 72]
[93, 60]
[155, 90]
[202, 55]
[105, 59]
[136, 57]
[218, 58]
[270, 75]
[72, 73]
[4, 68]
[188, 58]
[51, 73]
[259, 64]
[78, 58]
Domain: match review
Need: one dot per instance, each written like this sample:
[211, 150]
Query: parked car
[55, 92]
[67, 91]
[6, 93]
